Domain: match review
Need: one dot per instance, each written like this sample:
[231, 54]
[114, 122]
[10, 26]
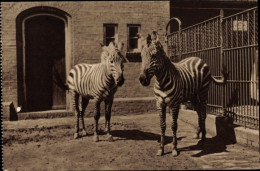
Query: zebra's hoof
[174, 153]
[76, 135]
[110, 138]
[159, 152]
[95, 138]
[84, 133]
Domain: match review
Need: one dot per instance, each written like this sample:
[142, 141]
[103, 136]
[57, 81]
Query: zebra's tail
[224, 78]
[58, 81]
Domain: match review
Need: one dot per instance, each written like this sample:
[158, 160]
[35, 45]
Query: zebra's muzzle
[120, 81]
[144, 80]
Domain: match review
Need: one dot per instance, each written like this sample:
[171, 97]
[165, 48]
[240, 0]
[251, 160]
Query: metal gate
[230, 42]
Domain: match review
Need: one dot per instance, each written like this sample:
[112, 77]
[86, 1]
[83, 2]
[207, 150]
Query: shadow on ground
[140, 135]
[212, 145]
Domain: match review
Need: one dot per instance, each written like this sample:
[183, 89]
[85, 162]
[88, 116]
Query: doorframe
[20, 37]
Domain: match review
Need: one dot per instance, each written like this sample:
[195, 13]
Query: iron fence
[240, 54]
[231, 42]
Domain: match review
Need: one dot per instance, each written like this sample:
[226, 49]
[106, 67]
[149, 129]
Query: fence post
[223, 101]
[180, 42]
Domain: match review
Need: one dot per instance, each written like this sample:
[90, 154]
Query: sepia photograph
[130, 85]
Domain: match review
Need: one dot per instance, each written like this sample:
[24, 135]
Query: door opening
[44, 39]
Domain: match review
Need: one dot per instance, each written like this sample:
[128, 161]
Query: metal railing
[240, 54]
[232, 42]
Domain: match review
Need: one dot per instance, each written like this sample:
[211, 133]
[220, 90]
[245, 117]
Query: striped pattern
[98, 82]
[176, 83]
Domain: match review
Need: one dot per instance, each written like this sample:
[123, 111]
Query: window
[133, 31]
[110, 33]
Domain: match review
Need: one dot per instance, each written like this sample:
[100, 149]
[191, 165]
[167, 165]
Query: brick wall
[132, 87]
[87, 19]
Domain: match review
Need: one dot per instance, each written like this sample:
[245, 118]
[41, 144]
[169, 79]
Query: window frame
[138, 49]
[105, 35]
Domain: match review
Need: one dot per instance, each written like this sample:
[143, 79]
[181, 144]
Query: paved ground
[48, 144]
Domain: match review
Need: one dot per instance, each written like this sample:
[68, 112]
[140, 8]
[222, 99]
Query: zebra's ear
[120, 46]
[111, 45]
[154, 36]
[148, 39]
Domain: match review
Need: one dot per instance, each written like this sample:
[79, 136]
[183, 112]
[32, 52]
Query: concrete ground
[48, 144]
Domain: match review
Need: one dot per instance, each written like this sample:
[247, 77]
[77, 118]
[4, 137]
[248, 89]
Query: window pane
[133, 31]
[108, 40]
[110, 31]
[133, 43]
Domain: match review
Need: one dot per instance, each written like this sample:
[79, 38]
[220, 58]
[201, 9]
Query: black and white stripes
[176, 83]
[98, 82]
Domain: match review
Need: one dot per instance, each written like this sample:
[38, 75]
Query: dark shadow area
[13, 113]
[9, 112]
[225, 129]
[211, 145]
[140, 135]
[225, 136]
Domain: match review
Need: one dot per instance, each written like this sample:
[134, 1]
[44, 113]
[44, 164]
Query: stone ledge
[8, 111]
[121, 106]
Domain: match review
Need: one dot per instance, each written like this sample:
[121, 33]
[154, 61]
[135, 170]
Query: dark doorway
[44, 53]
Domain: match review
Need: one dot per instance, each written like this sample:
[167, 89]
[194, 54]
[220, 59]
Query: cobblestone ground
[48, 144]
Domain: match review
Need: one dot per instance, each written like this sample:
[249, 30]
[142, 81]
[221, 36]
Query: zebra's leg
[197, 134]
[75, 103]
[201, 110]
[175, 113]
[162, 113]
[96, 117]
[84, 104]
[108, 107]
[195, 103]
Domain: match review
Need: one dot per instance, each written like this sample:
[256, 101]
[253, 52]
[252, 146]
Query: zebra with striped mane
[176, 83]
[98, 82]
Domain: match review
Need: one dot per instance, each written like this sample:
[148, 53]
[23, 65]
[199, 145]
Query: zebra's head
[151, 58]
[114, 59]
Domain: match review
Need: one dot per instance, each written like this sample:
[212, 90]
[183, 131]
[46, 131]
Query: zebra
[98, 82]
[176, 83]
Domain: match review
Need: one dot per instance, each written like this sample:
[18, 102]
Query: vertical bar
[242, 30]
[252, 82]
[180, 42]
[235, 75]
[248, 29]
[237, 32]
[254, 30]
[243, 99]
[213, 33]
[205, 36]
[232, 36]
[247, 76]
[195, 38]
[221, 60]
[210, 34]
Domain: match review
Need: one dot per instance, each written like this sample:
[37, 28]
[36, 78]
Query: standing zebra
[98, 82]
[176, 83]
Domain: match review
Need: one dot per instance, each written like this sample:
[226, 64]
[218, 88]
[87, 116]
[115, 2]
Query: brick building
[40, 36]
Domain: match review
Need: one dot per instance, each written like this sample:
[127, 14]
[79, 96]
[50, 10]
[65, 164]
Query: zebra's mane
[112, 48]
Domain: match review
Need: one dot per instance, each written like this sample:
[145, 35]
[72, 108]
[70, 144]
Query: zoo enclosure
[230, 42]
